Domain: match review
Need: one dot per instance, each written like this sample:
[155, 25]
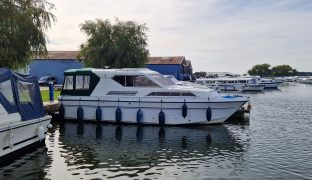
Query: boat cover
[20, 93]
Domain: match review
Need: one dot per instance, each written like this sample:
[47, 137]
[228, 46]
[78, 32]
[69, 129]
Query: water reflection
[130, 150]
[30, 166]
[110, 151]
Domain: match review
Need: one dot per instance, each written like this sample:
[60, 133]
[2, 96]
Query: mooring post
[51, 91]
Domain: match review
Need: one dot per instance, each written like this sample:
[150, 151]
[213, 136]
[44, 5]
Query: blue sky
[216, 35]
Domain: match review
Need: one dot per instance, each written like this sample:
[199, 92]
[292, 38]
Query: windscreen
[162, 79]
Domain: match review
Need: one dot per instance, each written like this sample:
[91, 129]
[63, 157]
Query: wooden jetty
[51, 107]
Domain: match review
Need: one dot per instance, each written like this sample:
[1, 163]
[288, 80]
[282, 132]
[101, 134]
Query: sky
[216, 35]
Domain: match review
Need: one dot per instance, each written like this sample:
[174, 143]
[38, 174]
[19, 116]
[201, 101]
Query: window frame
[134, 79]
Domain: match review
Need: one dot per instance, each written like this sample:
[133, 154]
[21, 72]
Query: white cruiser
[232, 84]
[140, 96]
[269, 83]
[23, 124]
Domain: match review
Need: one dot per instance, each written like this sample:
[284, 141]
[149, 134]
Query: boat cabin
[19, 94]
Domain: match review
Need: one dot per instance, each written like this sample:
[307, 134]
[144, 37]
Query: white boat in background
[141, 96]
[290, 79]
[305, 80]
[232, 84]
[269, 83]
[23, 124]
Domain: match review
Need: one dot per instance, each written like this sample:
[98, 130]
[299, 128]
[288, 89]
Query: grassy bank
[45, 95]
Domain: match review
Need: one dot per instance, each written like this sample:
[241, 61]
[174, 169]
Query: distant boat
[305, 80]
[232, 84]
[23, 123]
[141, 96]
[269, 83]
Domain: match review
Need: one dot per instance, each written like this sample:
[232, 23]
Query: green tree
[119, 45]
[22, 26]
[262, 70]
[283, 70]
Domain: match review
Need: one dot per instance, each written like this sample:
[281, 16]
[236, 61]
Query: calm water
[276, 142]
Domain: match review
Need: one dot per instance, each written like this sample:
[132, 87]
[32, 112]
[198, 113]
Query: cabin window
[6, 91]
[68, 83]
[24, 91]
[122, 93]
[134, 81]
[171, 94]
[143, 81]
[187, 94]
[162, 79]
[82, 82]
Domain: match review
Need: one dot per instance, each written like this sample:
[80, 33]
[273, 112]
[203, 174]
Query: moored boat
[141, 96]
[23, 124]
[307, 80]
[232, 84]
[269, 83]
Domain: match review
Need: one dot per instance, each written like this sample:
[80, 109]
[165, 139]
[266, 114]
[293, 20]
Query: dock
[51, 107]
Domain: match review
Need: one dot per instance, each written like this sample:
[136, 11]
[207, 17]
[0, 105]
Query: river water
[275, 141]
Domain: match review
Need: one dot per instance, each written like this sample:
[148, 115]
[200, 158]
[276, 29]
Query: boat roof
[111, 72]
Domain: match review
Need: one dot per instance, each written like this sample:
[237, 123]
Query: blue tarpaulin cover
[20, 93]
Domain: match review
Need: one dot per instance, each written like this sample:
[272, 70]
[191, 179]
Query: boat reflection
[108, 151]
[113, 146]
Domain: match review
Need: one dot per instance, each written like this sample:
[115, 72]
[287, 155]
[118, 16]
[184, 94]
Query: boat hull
[271, 85]
[19, 136]
[239, 87]
[196, 111]
[253, 88]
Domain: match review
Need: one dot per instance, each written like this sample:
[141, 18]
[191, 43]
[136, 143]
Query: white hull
[253, 88]
[271, 85]
[239, 87]
[20, 134]
[306, 81]
[196, 110]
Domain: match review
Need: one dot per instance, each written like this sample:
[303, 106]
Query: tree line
[265, 70]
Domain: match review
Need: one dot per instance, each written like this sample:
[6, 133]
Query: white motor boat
[232, 84]
[305, 80]
[23, 124]
[141, 96]
[269, 83]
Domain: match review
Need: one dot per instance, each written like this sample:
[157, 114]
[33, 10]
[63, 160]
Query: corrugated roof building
[173, 65]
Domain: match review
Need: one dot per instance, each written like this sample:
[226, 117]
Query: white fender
[41, 133]
[11, 139]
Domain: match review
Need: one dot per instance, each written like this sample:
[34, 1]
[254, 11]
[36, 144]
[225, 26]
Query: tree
[22, 26]
[262, 70]
[118, 45]
[283, 70]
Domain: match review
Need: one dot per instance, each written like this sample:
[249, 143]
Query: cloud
[217, 35]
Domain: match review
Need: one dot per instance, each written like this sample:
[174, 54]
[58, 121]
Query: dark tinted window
[171, 94]
[120, 79]
[137, 81]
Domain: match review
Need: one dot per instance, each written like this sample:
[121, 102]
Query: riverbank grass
[45, 95]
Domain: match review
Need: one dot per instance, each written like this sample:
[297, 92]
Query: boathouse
[55, 64]
[174, 65]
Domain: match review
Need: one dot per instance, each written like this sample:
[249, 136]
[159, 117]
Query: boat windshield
[162, 79]
[172, 78]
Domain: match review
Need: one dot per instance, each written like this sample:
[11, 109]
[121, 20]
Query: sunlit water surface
[276, 142]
